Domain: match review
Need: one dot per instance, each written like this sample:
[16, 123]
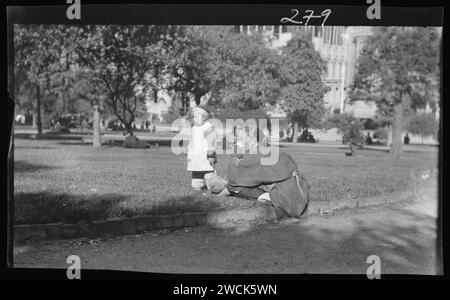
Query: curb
[216, 219]
[112, 226]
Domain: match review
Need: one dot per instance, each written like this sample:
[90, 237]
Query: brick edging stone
[219, 219]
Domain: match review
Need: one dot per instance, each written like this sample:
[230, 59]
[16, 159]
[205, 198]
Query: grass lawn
[56, 181]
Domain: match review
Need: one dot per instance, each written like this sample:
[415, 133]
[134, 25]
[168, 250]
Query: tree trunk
[389, 136]
[96, 141]
[397, 130]
[150, 119]
[38, 110]
[184, 104]
[129, 128]
[34, 119]
[295, 133]
[197, 99]
[353, 149]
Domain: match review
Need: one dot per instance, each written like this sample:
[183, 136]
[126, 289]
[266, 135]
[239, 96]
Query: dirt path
[402, 235]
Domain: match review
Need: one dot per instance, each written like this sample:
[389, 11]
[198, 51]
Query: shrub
[381, 134]
[343, 123]
[170, 116]
[423, 124]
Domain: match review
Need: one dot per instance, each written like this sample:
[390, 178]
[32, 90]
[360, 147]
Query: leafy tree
[343, 123]
[42, 62]
[243, 69]
[423, 124]
[127, 62]
[398, 70]
[302, 88]
[24, 94]
[193, 64]
[171, 115]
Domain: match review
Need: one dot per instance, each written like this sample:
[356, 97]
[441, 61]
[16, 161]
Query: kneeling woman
[279, 184]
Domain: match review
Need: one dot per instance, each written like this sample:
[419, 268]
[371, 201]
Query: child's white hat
[202, 108]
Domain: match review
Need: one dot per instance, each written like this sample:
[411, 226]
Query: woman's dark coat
[289, 196]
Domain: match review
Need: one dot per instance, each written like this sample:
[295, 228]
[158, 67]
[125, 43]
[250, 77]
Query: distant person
[369, 140]
[406, 140]
[289, 133]
[304, 136]
[83, 124]
[354, 137]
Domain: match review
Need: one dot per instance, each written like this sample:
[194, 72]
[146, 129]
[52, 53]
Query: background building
[340, 47]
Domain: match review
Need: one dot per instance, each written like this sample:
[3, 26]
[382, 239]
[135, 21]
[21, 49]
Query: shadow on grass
[117, 143]
[26, 167]
[48, 207]
[49, 136]
[74, 143]
[34, 147]
[405, 149]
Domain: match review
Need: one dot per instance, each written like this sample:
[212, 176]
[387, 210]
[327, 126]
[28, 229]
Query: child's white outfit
[197, 156]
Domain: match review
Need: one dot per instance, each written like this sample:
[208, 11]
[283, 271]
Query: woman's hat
[215, 183]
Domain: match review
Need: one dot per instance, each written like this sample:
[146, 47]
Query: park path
[402, 235]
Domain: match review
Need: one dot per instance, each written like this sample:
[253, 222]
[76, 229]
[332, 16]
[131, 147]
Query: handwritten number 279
[326, 13]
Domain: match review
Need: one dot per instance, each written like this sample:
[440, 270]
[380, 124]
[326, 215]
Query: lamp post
[345, 37]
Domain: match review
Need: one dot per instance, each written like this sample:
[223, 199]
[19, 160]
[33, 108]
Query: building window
[359, 47]
[336, 33]
[318, 31]
[330, 36]
[244, 29]
[284, 28]
[333, 41]
[338, 36]
[326, 35]
[276, 31]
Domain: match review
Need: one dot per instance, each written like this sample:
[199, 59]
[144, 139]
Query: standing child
[201, 155]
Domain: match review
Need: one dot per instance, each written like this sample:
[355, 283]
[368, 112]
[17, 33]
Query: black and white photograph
[300, 147]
